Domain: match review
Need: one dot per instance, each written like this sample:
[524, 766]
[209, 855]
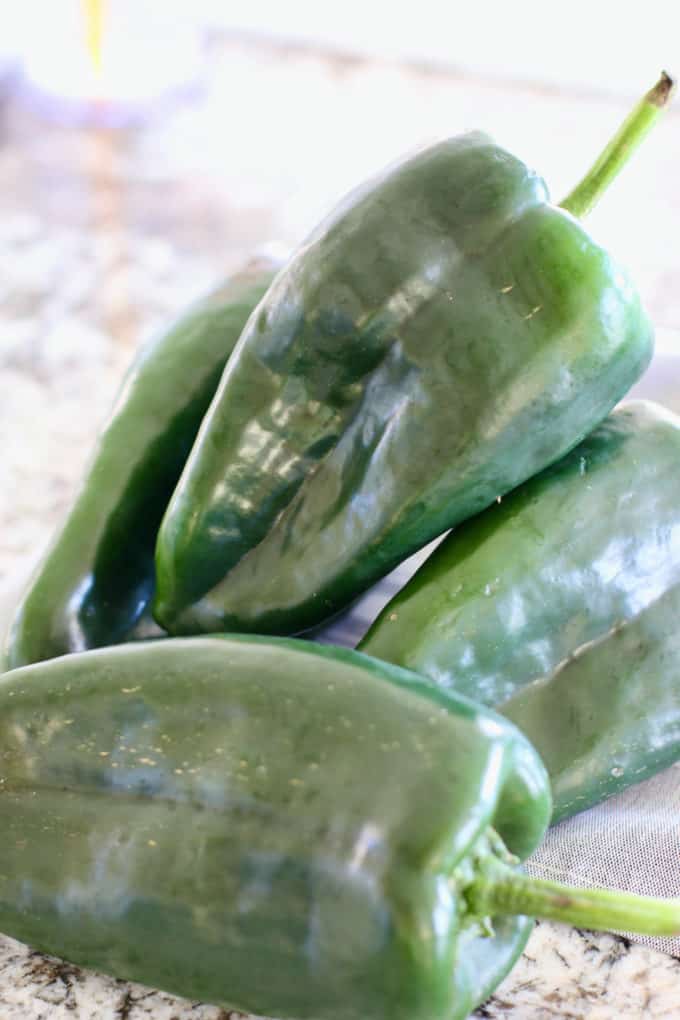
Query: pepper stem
[500, 890]
[614, 157]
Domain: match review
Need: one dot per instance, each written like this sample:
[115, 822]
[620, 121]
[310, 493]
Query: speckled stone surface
[564, 974]
[105, 236]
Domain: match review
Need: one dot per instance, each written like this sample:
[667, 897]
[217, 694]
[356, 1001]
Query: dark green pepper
[442, 337]
[95, 584]
[286, 829]
[559, 607]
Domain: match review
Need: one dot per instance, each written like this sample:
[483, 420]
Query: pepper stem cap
[616, 154]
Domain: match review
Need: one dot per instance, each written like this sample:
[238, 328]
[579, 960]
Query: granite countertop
[105, 235]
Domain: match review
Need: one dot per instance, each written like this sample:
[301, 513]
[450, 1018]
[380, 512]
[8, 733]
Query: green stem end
[501, 890]
[614, 157]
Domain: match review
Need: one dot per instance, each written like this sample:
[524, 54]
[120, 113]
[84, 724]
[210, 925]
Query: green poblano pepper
[281, 828]
[559, 607]
[442, 337]
[95, 584]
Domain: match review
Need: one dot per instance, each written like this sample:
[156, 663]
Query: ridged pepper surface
[446, 334]
[559, 607]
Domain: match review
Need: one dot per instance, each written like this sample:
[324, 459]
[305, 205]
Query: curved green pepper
[294, 831]
[442, 337]
[95, 584]
[559, 607]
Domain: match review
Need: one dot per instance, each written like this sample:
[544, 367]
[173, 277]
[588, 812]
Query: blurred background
[148, 148]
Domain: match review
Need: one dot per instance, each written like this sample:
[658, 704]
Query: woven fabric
[630, 842]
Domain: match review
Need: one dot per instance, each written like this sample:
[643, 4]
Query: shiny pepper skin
[559, 608]
[443, 336]
[267, 824]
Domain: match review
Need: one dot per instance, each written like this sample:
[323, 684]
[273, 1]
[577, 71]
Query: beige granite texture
[104, 236]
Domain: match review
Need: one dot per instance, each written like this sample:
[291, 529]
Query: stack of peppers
[191, 798]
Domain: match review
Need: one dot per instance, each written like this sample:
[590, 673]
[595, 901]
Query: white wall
[611, 45]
